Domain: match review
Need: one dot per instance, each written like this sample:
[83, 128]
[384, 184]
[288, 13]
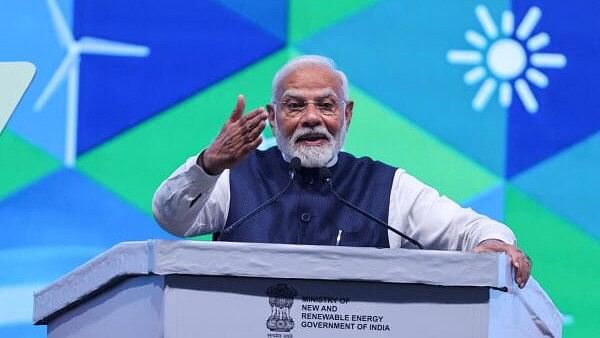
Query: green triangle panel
[309, 16]
[135, 163]
[565, 260]
[21, 163]
[379, 132]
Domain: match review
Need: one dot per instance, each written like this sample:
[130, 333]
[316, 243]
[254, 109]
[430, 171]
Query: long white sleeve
[191, 202]
[436, 221]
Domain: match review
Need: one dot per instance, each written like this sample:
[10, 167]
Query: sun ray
[505, 94]
[475, 39]
[548, 60]
[529, 22]
[527, 97]
[475, 75]
[538, 42]
[537, 78]
[486, 21]
[508, 23]
[483, 95]
[464, 57]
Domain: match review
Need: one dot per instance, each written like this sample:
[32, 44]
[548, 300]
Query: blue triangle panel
[569, 105]
[68, 209]
[271, 15]
[489, 203]
[193, 44]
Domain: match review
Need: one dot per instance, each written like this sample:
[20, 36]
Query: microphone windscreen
[324, 174]
[295, 164]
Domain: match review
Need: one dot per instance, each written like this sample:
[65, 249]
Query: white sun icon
[501, 60]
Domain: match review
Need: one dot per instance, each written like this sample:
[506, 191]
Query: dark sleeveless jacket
[308, 213]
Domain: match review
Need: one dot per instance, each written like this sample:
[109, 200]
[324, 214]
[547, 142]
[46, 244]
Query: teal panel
[568, 184]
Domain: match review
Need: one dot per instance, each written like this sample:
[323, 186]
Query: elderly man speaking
[307, 191]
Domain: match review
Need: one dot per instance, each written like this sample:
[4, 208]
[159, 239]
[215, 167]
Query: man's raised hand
[239, 136]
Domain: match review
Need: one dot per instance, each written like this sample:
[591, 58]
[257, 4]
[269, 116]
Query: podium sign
[209, 289]
[257, 307]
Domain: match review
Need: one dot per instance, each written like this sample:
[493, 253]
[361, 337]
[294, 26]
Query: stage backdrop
[495, 103]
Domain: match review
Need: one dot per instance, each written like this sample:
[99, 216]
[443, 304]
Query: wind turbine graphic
[70, 67]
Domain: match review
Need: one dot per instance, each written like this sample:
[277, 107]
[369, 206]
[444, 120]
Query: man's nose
[311, 116]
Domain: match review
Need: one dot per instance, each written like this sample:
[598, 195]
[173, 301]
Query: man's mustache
[311, 134]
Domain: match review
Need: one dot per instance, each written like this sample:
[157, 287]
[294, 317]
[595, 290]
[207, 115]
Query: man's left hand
[519, 259]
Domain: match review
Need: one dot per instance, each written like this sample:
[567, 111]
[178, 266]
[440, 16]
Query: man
[309, 114]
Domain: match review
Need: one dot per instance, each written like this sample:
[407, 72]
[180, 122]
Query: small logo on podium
[281, 298]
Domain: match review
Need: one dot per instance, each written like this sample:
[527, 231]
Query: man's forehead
[314, 80]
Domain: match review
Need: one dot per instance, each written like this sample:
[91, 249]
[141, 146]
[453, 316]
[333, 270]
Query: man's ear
[271, 115]
[348, 112]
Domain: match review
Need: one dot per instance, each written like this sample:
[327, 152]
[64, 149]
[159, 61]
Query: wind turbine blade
[60, 24]
[59, 75]
[88, 45]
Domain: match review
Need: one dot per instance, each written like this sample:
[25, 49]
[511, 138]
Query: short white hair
[304, 60]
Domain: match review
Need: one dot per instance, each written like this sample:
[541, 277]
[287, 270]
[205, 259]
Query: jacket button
[305, 217]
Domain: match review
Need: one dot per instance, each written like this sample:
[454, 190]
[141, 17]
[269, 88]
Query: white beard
[311, 156]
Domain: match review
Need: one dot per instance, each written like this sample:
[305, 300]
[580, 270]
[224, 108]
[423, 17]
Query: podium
[185, 289]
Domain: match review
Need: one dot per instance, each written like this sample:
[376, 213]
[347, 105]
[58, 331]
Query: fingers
[252, 124]
[243, 135]
[518, 258]
[238, 110]
[257, 131]
[523, 271]
[254, 117]
[522, 265]
[238, 137]
[481, 248]
[254, 144]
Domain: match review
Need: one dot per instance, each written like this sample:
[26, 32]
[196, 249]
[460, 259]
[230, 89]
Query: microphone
[325, 176]
[295, 165]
